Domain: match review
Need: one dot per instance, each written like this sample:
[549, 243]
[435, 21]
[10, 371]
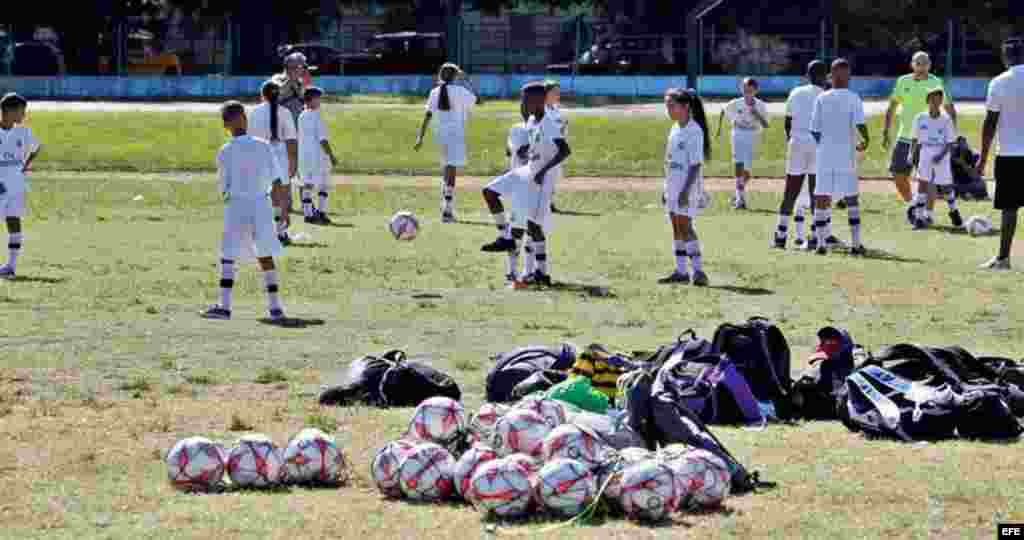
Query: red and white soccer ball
[705, 479]
[501, 488]
[609, 474]
[255, 462]
[196, 465]
[552, 410]
[565, 487]
[438, 420]
[385, 466]
[521, 431]
[404, 226]
[426, 473]
[978, 226]
[313, 457]
[648, 491]
[569, 441]
[482, 424]
[466, 465]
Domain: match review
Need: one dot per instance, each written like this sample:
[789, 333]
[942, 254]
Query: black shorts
[901, 163]
[1009, 183]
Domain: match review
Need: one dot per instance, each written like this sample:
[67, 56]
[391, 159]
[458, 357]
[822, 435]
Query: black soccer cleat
[541, 279]
[841, 204]
[312, 220]
[322, 219]
[858, 251]
[675, 277]
[779, 241]
[500, 245]
[956, 218]
[284, 239]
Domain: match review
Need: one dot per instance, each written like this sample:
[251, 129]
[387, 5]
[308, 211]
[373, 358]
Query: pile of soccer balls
[516, 461]
[198, 465]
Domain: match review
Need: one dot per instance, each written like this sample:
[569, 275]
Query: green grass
[379, 141]
[96, 260]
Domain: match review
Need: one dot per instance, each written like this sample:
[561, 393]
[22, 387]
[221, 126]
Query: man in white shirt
[838, 113]
[247, 168]
[1005, 119]
[800, 152]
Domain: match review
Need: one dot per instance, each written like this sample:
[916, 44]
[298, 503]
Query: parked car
[37, 59]
[626, 55]
[321, 59]
[395, 53]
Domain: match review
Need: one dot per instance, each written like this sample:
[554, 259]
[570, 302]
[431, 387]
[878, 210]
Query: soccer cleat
[541, 279]
[911, 214]
[841, 204]
[276, 314]
[822, 250]
[322, 219]
[738, 203]
[778, 242]
[920, 224]
[700, 279]
[675, 277]
[956, 218]
[798, 243]
[997, 264]
[859, 251]
[447, 217]
[812, 244]
[284, 239]
[833, 243]
[312, 220]
[502, 244]
[6, 272]
[216, 312]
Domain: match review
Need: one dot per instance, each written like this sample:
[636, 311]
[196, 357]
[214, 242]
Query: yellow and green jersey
[912, 96]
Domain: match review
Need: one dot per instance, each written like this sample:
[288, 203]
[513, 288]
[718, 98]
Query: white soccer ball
[196, 465]
[468, 464]
[500, 487]
[404, 226]
[385, 465]
[553, 411]
[481, 426]
[648, 491]
[705, 479]
[609, 474]
[565, 487]
[438, 420]
[426, 473]
[256, 462]
[521, 431]
[313, 457]
[978, 226]
[570, 442]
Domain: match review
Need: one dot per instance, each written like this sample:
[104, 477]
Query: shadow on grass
[308, 245]
[949, 229]
[38, 279]
[747, 291]
[575, 213]
[293, 322]
[474, 222]
[596, 291]
[337, 225]
[881, 255]
[427, 296]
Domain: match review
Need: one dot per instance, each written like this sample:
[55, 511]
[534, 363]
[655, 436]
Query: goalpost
[693, 44]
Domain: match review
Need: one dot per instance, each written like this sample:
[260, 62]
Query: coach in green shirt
[910, 96]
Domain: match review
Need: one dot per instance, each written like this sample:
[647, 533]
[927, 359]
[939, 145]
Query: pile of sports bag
[390, 380]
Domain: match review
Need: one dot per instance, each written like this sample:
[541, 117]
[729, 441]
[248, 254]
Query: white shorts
[938, 174]
[690, 208]
[744, 146]
[836, 184]
[453, 151]
[249, 230]
[513, 187]
[12, 204]
[538, 200]
[801, 158]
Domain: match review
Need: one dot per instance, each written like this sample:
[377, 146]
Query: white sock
[227, 282]
[782, 228]
[540, 252]
[820, 221]
[503, 229]
[798, 223]
[828, 223]
[530, 263]
[853, 216]
[447, 196]
[273, 297]
[679, 248]
[323, 202]
[14, 244]
[693, 249]
[512, 269]
[307, 202]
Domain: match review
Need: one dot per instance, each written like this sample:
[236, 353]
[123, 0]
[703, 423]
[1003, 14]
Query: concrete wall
[138, 88]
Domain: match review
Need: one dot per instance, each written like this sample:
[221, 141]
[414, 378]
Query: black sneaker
[675, 277]
[447, 217]
[312, 220]
[920, 224]
[812, 244]
[284, 239]
[859, 251]
[798, 243]
[841, 204]
[832, 243]
[216, 312]
[541, 279]
[500, 245]
[911, 215]
[956, 218]
[779, 241]
[700, 279]
[822, 250]
[322, 219]
[276, 315]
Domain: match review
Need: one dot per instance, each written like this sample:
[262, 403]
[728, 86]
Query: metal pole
[229, 46]
[701, 48]
[835, 41]
[949, 51]
[821, 46]
[577, 53]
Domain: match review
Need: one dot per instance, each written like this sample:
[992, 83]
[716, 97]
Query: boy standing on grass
[749, 116]
[18, 148]
[932, 143]
[315, 158]
[248, 170]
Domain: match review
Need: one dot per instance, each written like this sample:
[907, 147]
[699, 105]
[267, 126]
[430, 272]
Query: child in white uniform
[748, 116]
[18, 148]
[931, 148]
[274, 124]
[315, 158]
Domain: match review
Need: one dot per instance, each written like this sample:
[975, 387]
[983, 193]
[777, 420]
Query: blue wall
[488, 85]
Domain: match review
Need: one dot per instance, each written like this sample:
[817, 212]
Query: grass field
[105, 363]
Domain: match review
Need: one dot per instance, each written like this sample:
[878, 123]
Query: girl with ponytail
[687, 149]
[451, 104]
[275, 124]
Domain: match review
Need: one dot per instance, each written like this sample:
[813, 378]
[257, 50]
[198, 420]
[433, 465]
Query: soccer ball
[552, 411]
[609, 474]
[255, 462]
[978, 226]
[384, 467]
[704, 477]
[481, 426]
[648, 491]
[571, 442]
[404, 226]
[565, 487]
[500, 487]
[313, 457]
[426, 473]
[528, 463]
[468, 464]
[196, 465]
[438, 420]
[521, 431]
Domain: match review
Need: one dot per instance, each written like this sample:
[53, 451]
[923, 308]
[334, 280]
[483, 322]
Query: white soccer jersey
[247, 167]
[451, 123]
[934, 134]
[543, 134]
[742, 115]
[800, 107]
[551, 109]
[684, 149]
[312, 131]
[518, 136]
[259, 123]
[1006, 97]
[16, 145]
[837, 113]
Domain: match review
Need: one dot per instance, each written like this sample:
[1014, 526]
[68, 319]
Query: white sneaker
[997, 264]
